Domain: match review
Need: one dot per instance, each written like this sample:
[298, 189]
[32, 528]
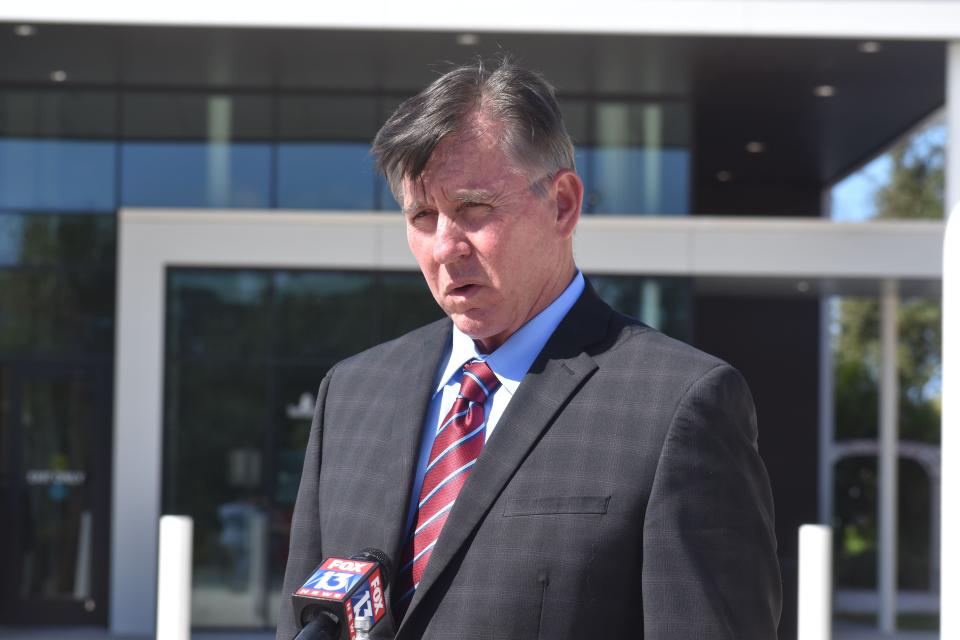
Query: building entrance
[54, 493]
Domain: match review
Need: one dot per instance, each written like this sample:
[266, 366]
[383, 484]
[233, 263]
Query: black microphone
[338, 592]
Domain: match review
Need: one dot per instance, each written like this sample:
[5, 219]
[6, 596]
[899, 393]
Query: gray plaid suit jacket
[621, 495]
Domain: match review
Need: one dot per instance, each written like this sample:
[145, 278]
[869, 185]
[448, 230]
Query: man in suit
[536, 465]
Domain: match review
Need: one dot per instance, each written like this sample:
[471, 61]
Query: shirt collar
[515, 356]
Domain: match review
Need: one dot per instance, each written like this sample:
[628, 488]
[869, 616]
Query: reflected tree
[914, 190]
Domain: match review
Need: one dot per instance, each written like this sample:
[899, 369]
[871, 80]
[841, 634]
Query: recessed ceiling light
[58, 76]
[824, 91]
[869, 47]
[468, 39]
[756, 147]
[25, 30]
[724, 176]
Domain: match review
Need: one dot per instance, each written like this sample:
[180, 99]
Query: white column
[887, 558]
[950, 425]
[815, 588]
[826, 403]
[950, 432]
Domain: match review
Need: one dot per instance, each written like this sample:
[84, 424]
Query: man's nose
[450, 243]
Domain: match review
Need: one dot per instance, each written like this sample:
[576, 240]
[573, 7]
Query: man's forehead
[463, 166]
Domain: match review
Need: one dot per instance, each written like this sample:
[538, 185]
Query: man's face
[494, 253]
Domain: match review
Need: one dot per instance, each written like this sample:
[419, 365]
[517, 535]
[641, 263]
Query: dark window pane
[325, 316]
[57, 113]
[663, 303]
[214, 313]
[406, 304]
[215, 420]
[57, 239]
[327, 118]
[196, 150]
[67, 312]
[639, 159]
[323, 157]
[196, 174]
[57, 416]
[196, 116]
[576, 118]
[57, 174]
[325, 176]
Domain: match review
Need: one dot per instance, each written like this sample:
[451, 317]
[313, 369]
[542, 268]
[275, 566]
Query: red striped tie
[459, 441]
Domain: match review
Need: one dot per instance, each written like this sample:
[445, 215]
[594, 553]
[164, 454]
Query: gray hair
[534, 138]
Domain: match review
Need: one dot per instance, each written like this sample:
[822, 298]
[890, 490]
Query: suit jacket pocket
[557, 505]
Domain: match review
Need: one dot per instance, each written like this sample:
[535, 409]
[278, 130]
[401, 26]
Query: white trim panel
[915, 19]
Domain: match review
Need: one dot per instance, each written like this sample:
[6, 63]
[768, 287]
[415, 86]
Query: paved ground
[79, 633]
[845, 631]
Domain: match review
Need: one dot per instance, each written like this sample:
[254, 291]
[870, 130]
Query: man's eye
[421, 216]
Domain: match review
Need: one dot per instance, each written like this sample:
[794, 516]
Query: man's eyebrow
[474, 195]
[415, 206]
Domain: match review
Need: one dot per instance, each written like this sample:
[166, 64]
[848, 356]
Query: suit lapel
[554, 377]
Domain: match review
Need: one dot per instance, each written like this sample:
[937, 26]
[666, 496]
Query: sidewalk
[99, 633]
[841, 631]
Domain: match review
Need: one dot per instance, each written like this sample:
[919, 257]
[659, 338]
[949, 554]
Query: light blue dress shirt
[509, 363]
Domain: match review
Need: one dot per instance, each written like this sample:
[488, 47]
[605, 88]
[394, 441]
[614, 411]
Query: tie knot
[478, 382]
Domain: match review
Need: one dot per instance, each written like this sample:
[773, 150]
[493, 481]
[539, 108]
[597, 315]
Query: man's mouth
[462, 290]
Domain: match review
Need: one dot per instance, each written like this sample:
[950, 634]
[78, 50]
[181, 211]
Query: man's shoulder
[632, 341]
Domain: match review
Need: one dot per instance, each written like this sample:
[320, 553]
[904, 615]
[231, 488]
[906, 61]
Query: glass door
[54, 493]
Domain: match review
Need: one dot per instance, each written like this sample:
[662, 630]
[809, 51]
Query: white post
[889, 393]
[950, 416]
[174, 578]
[826, 421]
[950, 429]
[815, 588]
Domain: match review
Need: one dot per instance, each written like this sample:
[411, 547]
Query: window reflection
[57, 239]
[663, 303]
[196, 174]
[638, 159]
[67, 312]
[336, 175]
[197, 150]
[246, 353]
[57, 174]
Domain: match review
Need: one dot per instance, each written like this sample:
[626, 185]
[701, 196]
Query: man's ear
[569, 197]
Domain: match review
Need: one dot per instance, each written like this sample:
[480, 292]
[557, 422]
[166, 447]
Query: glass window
[246, 353]
[663, 303]
[327, 175]
[406, 303]
[196, 174]
[60, 311]
[57, 150]
[57, 174]
[218, 313]
[639, 160]
[196, 150]
[325, 315]
[57, 416]
[216, 420]
[323, 157]
[57, 239]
